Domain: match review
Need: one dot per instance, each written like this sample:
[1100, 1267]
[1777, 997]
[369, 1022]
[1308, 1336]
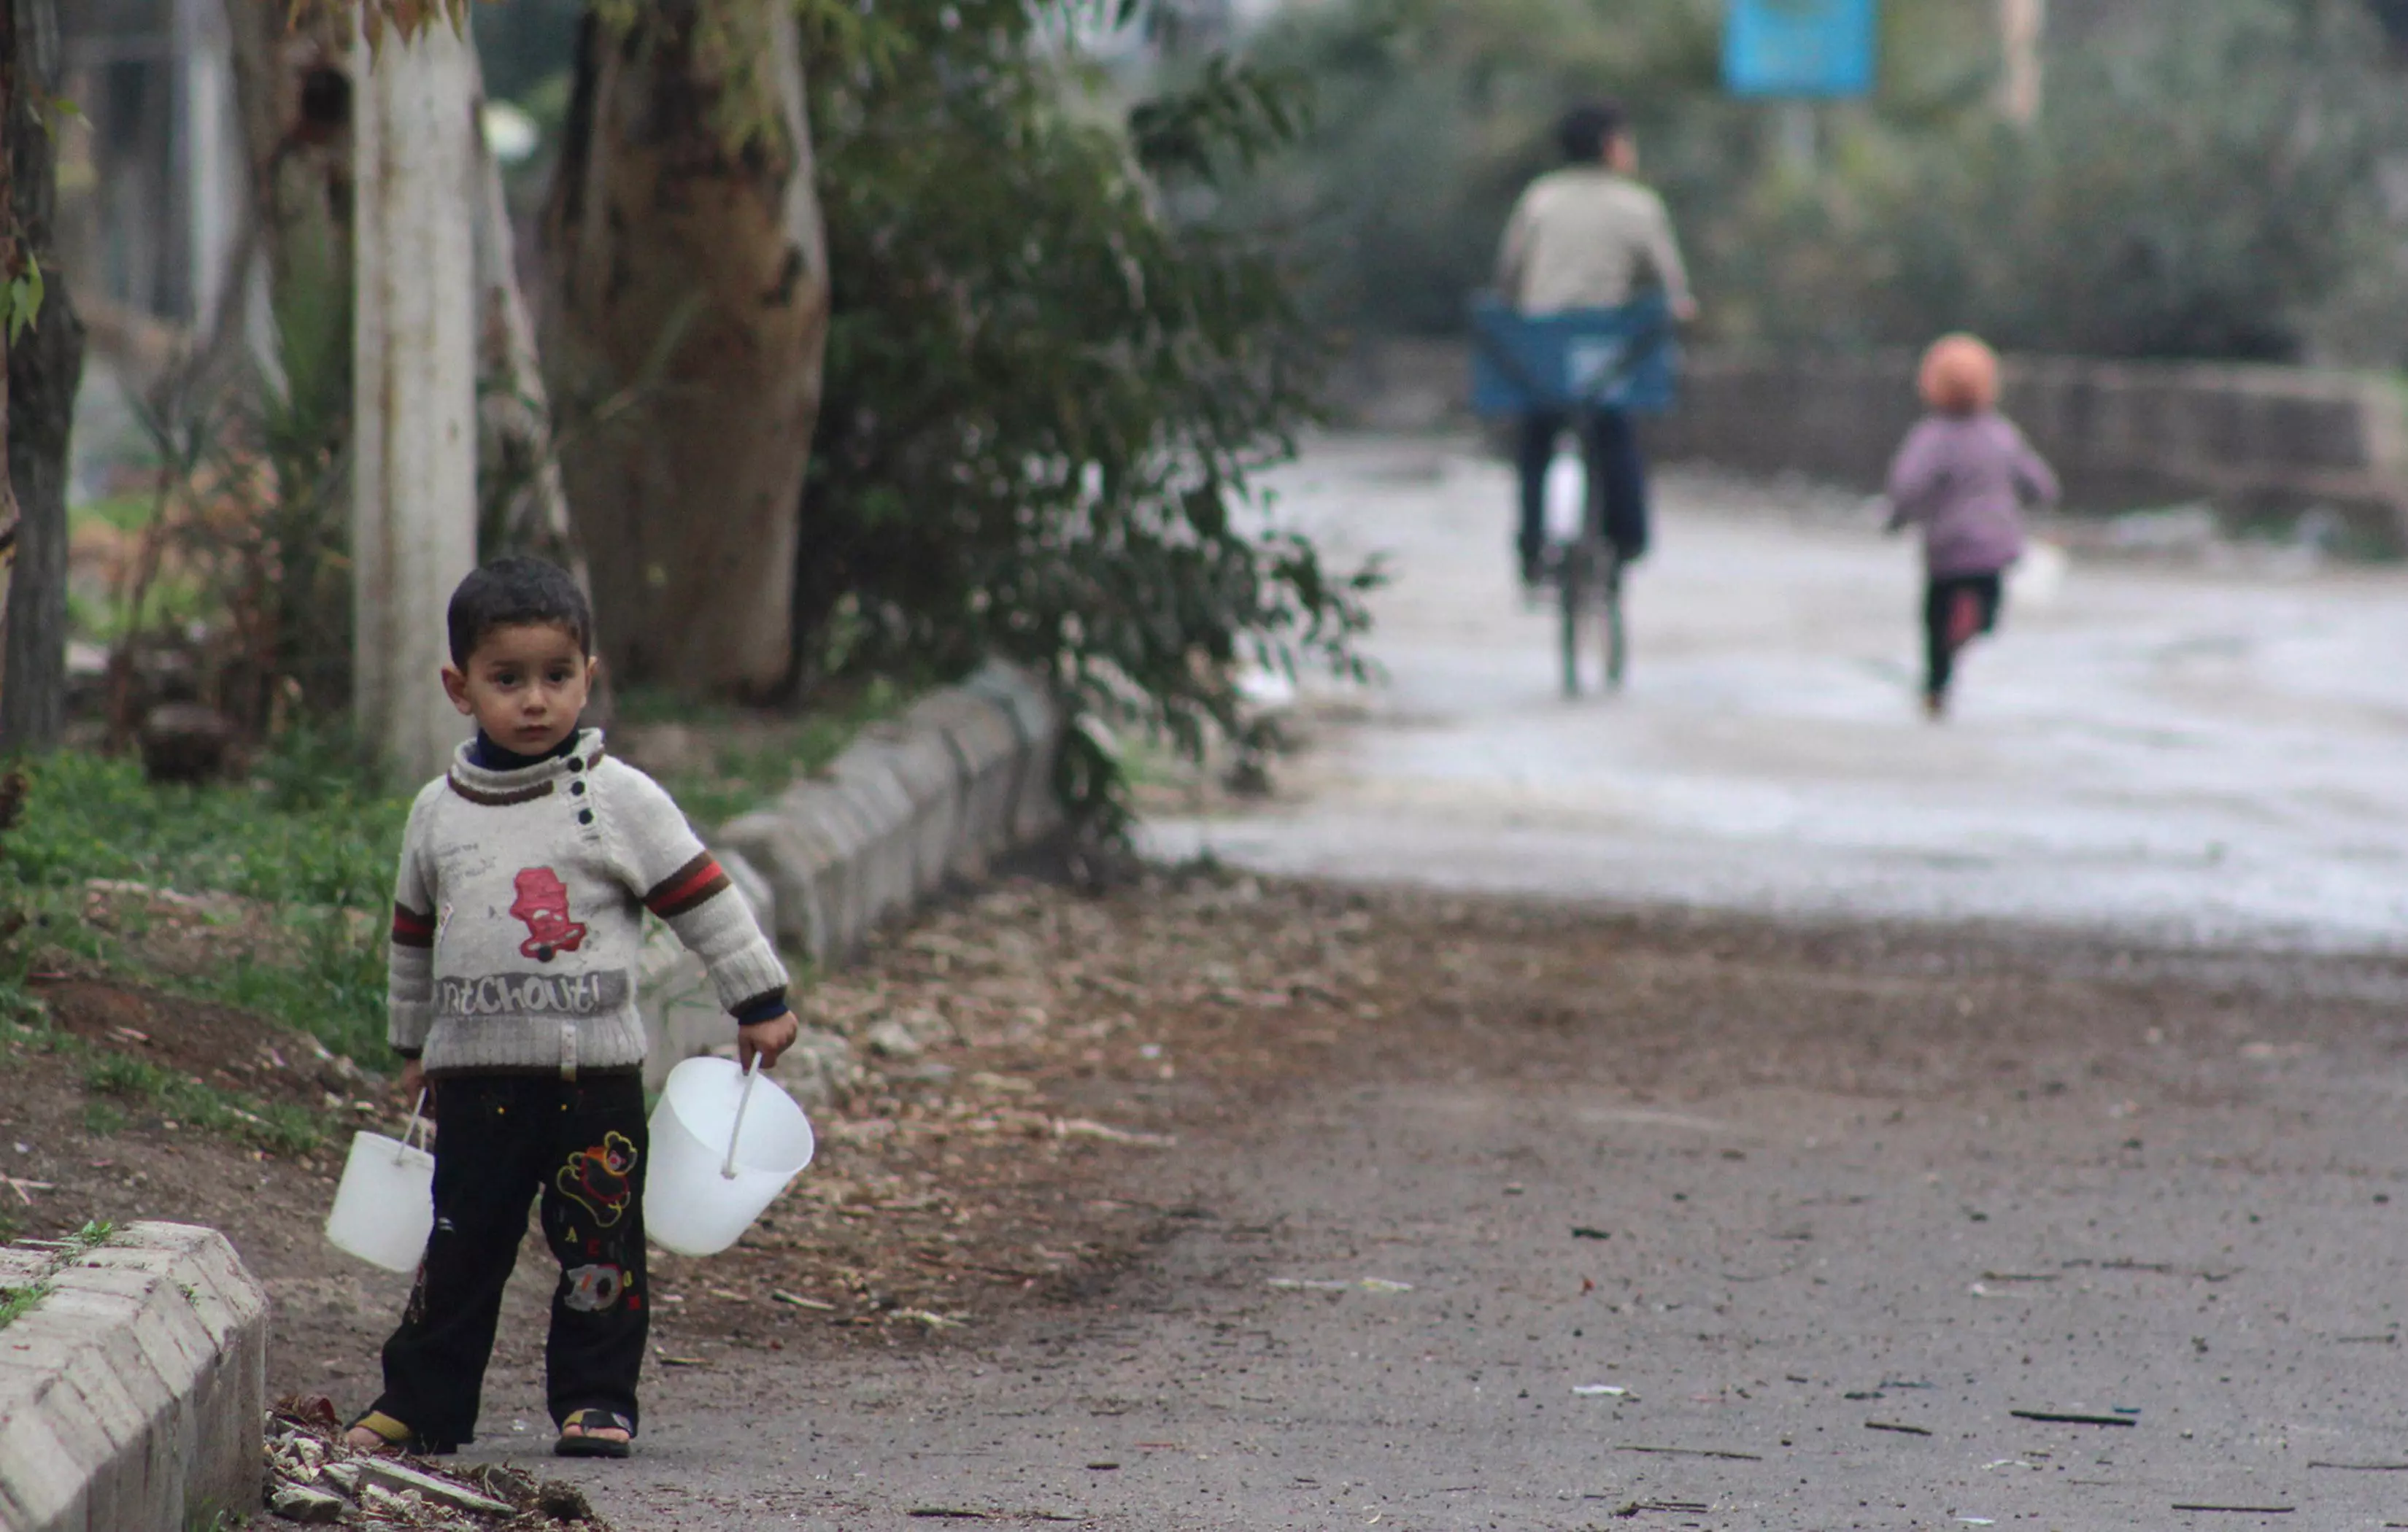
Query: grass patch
[758, 763]
[120, 1080]
[306, 838]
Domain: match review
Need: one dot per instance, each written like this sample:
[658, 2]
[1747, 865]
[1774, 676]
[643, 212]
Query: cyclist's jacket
[1586, 238]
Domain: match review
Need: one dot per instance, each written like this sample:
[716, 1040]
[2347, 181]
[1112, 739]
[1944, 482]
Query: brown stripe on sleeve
[410, 928]
[699, 879]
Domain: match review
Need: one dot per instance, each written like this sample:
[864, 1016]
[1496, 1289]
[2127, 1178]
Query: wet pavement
[2188, 753]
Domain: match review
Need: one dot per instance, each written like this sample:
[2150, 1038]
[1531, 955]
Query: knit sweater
[518, 913]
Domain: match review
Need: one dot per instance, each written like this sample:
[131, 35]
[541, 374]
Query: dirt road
[1794, 1209]
[1825, 1206]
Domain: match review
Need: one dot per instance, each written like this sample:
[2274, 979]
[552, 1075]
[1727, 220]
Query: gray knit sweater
[519, 908]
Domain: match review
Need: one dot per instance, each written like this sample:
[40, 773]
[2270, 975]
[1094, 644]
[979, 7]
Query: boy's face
[525, 686]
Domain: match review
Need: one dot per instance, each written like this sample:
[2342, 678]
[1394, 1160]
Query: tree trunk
[44, 367]
[292, 92]
[684, 312]
[414, 388]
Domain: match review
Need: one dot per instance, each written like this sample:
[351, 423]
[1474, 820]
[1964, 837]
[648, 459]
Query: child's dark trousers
[501, 1140]
[1955, 607]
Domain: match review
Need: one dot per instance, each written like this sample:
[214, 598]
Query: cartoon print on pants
[543, 904]
[596, 1178]
[592, 1289]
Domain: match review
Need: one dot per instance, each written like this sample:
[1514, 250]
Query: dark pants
[1955, 607]
[1612, 455]
[499, 1141]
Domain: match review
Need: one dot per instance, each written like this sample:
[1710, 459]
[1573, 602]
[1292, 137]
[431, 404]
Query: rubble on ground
[314, 1478]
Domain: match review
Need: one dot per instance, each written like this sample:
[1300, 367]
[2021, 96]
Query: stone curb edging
[962, 776]
[130, 1393]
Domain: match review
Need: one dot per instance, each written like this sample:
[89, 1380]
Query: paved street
[2192, 754]
[1823, 1096]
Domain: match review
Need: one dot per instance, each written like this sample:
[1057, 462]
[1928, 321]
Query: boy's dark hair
[512, 591]
[1587, 128]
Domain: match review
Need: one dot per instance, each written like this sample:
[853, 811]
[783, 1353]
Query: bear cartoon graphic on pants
[543, 904]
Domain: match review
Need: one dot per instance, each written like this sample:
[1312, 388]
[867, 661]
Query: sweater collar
[538, 778]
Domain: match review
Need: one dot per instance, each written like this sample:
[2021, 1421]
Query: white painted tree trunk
[414, 441]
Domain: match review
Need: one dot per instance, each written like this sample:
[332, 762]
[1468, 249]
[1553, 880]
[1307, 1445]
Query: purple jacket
[1967, 478]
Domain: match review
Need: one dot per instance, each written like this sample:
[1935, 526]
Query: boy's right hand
[413, 1077]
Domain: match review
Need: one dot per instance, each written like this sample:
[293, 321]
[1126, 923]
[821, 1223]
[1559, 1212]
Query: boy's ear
[455, 686]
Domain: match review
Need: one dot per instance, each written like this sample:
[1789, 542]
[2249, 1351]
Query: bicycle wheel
[1572, 591]
[1617, 643]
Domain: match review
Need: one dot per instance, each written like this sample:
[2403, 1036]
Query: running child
[1964, 475]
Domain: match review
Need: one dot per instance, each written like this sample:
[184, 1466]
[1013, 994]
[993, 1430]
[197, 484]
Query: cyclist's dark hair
[513, 592]
[1587, 128]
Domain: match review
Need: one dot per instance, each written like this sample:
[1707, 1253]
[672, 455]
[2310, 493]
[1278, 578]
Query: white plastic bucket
[725, 1141]
[384, 1209]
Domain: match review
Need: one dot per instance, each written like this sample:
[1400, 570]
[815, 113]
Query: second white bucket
[725, 1143]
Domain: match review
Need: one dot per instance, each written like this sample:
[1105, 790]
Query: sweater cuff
[411, 1054]
[761, 1007]
[747, 974]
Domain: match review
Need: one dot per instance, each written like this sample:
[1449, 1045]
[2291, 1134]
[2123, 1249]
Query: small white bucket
[725, 1141]
[384, 1209]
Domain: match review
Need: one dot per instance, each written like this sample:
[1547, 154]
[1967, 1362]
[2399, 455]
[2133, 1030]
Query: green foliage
[279, 1129]
[743, 776]
[90, 816]
[1050, 382]
[21, 301]
[2207, 179]
[306, 840]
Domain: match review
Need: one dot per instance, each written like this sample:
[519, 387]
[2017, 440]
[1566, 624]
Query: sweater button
[575, 764]
[585, 816]
[576, 788]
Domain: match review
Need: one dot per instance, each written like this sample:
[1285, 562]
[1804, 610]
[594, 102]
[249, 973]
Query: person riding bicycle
[1588, 235]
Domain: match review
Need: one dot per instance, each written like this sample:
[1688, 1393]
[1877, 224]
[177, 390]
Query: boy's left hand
[765, 1040]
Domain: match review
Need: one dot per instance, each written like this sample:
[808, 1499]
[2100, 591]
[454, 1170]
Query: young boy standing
[526, 871]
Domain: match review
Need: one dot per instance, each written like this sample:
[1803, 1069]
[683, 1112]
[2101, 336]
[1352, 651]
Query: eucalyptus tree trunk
[414, 387]
[37, 398]
[684, 315]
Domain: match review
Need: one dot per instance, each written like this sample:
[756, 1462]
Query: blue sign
[1821, 48]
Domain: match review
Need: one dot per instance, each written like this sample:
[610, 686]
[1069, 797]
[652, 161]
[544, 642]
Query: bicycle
[1581, 363]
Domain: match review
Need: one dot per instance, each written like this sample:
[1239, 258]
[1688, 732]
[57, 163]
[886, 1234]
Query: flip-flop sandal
[399, 1439]
[585, 1444]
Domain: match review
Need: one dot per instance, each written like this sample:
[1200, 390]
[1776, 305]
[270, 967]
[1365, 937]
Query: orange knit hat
[1959, 376]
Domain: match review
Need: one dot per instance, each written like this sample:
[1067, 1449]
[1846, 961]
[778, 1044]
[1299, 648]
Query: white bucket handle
[416, 1121]
[727, 1168]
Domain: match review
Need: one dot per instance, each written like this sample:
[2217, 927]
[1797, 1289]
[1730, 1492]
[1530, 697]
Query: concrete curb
[130, 1393]
[963, 776]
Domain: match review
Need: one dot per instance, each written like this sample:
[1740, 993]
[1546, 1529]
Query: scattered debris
[1642, 1508]
[1694, 1452]
[1583, 1232]
[316, 1478]
[2365, 1468]
[2244, 1511]
[1339, 1284]
[2065, 1417]
[1893, 1425]
[1080, 1127]
[801, 1302]
[1587, 1389]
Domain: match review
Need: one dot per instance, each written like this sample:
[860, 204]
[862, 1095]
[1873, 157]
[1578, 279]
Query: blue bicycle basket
[1622, 359]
